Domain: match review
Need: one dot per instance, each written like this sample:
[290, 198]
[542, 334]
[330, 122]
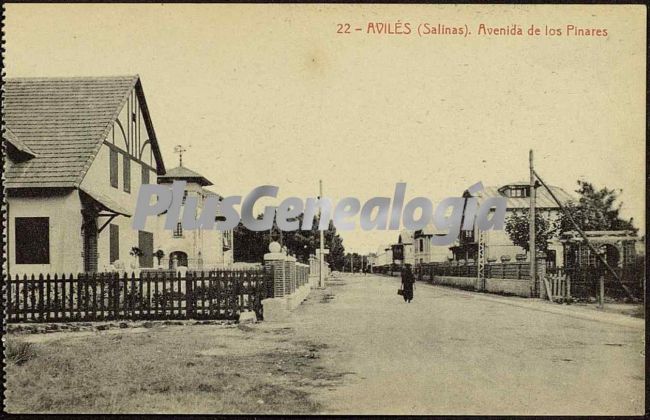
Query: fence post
[540, 265]
[189, 294]
[601, 291]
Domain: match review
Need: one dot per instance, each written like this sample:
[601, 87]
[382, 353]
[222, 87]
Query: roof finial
[180, 150]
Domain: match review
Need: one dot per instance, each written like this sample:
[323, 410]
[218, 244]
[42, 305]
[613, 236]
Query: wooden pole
[531, 224]
[321, 276]
[601, 292]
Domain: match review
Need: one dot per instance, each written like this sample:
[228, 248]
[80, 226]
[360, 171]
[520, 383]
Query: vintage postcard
[324, 209]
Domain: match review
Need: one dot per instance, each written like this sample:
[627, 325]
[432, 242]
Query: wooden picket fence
[558, 285]
[220, 294]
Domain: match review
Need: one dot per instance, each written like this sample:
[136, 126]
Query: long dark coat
[407, 284]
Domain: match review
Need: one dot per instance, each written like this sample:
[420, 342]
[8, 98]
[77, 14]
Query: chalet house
[497, 242]
[424, 251]
[77, 151]
[403, 251]
[195, 249]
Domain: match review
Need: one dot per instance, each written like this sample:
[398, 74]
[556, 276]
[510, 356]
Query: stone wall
[468, 283]
[501, 286]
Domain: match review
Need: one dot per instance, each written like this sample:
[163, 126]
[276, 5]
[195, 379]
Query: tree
[596, 209]
[360, 262]
[336, 256]
[251, 246]
[518, 229]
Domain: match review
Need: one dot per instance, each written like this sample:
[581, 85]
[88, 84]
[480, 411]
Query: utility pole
[531, 224]
[351, 263]
[321, 276]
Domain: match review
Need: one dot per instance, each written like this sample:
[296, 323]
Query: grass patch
[163, 370]
[19, 352]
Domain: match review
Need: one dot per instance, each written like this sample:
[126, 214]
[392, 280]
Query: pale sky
[271, 94]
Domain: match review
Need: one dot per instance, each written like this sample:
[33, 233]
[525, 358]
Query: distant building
[497, 242]
[424, 251]
[77, 151]
[383, 256]
[402, 251]
[617, 246]
[196, 249]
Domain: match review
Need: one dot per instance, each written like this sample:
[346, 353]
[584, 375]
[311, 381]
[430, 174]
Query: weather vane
[180, 150]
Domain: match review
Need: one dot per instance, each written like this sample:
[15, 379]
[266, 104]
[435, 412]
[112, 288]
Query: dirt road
[455, 352]
[354, 347]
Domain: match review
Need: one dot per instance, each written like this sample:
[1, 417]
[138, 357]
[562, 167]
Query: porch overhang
[106, 203]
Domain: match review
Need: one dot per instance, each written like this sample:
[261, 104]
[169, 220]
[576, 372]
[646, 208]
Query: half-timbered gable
[81, 148]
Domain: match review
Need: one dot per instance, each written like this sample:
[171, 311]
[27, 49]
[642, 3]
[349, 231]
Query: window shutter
[114, 242]
[127, 173]
[145, 174]
[145, 243]
[113, 168]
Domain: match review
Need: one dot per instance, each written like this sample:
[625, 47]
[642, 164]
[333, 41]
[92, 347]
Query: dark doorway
[612, 256]
[179, 258]
[89, 228]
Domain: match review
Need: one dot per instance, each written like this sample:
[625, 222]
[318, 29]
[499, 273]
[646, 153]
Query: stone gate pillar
[274, 262]
[291, 274]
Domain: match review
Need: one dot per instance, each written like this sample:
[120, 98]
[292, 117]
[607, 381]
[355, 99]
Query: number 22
[343, 28]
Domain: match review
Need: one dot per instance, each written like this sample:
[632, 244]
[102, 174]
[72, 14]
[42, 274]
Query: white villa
[195, 249]
[497, 242]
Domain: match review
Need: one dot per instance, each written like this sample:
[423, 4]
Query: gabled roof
[182, 173]
[405, 237]
[429, 230]
[543, 199]
[64, 122]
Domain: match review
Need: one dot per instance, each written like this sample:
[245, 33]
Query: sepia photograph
[324, 209]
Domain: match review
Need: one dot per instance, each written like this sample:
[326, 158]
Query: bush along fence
[221, 294]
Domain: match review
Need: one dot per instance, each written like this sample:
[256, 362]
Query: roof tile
[63, 121]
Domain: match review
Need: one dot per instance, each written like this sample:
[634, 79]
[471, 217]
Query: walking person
[407, 283]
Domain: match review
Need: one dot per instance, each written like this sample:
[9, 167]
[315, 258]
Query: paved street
[452, 351]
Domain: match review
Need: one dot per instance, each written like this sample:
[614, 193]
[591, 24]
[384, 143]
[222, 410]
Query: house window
[421, 245]
[127, 173]
[32, 241]
[519, 192]
[114, 242]
[178, 232]
[113, 168]
[145, 174]
[629, 252]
